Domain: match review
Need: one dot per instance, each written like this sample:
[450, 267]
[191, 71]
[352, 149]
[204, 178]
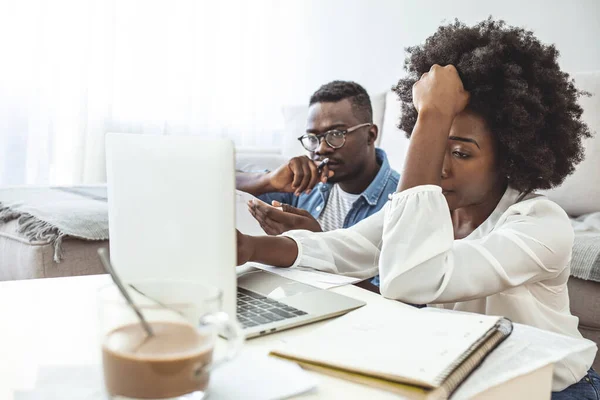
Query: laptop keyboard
[254, 309]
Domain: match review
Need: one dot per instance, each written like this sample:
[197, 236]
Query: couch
[21, 258]
[580, 194]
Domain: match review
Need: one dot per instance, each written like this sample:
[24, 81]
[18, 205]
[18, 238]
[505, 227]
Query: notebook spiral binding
[460, 370]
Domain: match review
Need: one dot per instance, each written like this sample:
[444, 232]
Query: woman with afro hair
[492, 119]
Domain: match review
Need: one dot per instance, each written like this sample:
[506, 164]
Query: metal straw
[102, 253]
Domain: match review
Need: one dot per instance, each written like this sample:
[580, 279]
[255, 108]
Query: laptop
[171, 202]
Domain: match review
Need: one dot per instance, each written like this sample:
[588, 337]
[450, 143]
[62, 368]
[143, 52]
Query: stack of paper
[404, 349]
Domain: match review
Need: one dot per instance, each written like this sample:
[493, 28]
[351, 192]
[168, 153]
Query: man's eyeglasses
[334, 138]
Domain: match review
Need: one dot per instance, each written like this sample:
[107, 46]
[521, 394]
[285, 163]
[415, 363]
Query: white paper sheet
[244, 221]
[419, 344]
[524, 351]
[251, 376]
[255, 376]
[321, 280]
[71, 382]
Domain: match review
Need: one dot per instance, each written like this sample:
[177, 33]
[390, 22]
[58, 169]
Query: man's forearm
[279, 251]
[253, 183]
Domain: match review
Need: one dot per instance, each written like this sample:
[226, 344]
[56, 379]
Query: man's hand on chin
[278, 218]
[300, 175]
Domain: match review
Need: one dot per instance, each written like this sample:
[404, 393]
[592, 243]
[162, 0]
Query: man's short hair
[335, 91]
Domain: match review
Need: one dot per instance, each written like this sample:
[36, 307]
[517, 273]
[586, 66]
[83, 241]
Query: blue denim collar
[374, 191]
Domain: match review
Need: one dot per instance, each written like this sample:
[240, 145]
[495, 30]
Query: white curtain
[70, 71]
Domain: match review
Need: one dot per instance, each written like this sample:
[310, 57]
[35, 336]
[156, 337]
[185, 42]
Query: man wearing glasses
[354, 183]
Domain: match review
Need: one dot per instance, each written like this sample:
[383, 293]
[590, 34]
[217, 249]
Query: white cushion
[378, 104]
[580, 193]
[393, 141]
[294, 119]
[295, 124]
[248, 160]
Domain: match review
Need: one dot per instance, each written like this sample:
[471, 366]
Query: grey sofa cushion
[585, 303]
[23, 259]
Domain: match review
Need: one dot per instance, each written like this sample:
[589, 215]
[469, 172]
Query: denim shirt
[371, 200]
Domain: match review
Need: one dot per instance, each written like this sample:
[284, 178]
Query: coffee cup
[178, 357]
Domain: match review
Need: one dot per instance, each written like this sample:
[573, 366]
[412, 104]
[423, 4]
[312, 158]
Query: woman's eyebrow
[463, 139]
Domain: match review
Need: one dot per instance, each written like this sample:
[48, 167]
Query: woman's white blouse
[515, 264]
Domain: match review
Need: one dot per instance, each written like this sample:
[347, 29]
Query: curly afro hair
[516, 85]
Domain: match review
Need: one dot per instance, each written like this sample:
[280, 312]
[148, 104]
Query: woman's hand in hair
[441, 91]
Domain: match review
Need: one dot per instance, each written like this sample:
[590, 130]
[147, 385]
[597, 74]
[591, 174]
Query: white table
[54, 322]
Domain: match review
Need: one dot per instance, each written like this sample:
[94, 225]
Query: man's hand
[299, 175]
[280, 218]
[245, 248]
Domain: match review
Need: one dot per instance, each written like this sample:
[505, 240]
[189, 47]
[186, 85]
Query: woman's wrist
[432, 115]
[279, 251]
[251, 247]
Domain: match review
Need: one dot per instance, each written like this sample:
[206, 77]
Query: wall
[365, 40]
[73, 69]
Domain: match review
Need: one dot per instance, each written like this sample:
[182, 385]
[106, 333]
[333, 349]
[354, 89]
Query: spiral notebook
[415, 353]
